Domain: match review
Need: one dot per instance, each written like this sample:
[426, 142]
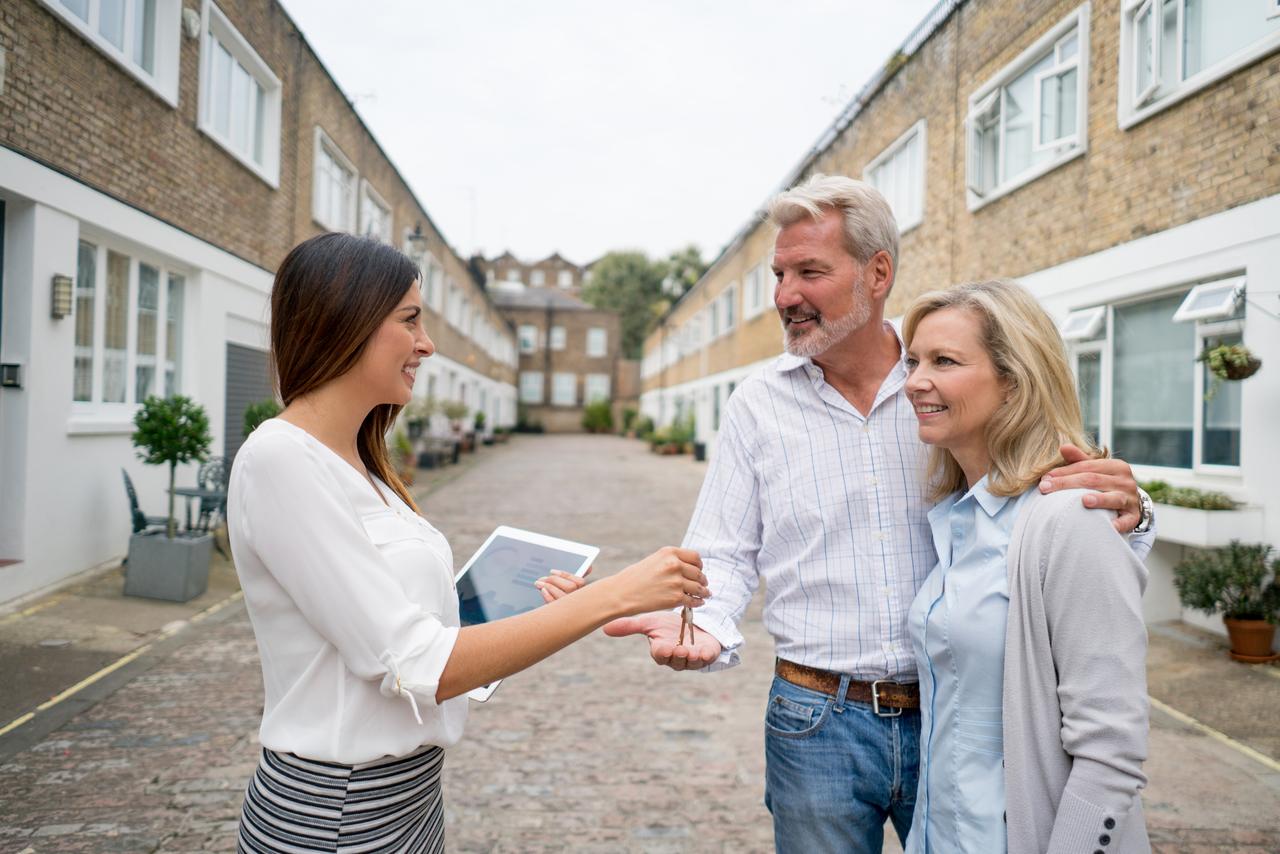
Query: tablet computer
[497, 581]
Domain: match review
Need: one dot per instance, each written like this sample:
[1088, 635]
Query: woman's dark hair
[330, 295]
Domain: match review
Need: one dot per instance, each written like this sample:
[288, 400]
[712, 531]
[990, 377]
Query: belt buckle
[875, 699]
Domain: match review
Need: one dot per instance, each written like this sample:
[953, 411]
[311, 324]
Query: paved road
[594, 750]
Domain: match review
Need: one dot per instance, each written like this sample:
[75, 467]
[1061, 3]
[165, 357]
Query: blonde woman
[1028, 633]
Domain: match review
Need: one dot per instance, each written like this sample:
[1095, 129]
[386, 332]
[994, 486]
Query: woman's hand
[668, 578]
[559, 584]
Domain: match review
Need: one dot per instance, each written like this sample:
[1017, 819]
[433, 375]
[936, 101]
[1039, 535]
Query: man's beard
[827, 332]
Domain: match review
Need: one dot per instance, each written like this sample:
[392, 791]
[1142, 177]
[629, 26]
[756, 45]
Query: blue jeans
[834, 771]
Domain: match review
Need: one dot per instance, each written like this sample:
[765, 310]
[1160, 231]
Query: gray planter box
[161, 568]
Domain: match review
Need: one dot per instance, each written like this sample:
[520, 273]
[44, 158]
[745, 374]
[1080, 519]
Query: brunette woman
[350, 590]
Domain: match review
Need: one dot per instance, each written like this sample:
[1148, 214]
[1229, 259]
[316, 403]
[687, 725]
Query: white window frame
[758, 277]
[323, 142]
[917, 130]
[597, 333]
[527, 391]
[214, 25]
[564, 279]
[96, 415]
[730, 308]
[369, 194]
[558, 380]
[1083, 324]
[168, 43]
[596, 387]
[557, 339]
[537, 278]
[1060, 67]
[990, 93]
[1133, 109]
[527, 344]
[1105, 344]
[1231, 291]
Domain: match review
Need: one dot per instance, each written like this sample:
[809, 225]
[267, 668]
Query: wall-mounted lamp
[416, 242]
[61, 303]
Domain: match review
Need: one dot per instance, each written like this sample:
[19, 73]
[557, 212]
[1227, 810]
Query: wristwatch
[1148, 513]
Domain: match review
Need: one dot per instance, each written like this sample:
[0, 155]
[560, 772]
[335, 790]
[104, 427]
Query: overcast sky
[596, 125]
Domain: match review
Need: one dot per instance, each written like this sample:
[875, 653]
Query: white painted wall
[1245, 238]
[62, 503]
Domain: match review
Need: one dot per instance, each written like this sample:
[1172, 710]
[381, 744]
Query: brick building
[157, 161]
[570, 352]
[1120, 158]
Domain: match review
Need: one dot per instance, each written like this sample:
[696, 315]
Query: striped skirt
[301, 805]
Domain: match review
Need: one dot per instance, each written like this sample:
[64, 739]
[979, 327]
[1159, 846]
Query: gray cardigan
[1075, 685]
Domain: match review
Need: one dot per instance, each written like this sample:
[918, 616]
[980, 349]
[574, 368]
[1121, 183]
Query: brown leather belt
[881, 694]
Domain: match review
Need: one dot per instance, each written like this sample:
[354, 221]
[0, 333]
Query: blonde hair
[1041, 411]
[869, 224]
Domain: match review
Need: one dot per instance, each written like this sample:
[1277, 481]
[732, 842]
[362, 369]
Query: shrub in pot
[1238, 581]
[597, 417]
[170, 431]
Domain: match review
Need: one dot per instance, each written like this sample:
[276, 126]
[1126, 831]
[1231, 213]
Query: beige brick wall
[67, 105]
[572, 359]
[1217, 149]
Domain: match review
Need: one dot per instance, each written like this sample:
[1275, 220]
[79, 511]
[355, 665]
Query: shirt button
[873, 481]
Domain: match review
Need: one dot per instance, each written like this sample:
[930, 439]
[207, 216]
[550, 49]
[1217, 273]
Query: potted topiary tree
[1237, 581]
[172, 431]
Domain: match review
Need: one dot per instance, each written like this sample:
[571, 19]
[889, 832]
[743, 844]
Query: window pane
[1168, 46]
[531, 387]
[1089, 382]
[173, 337]
[1142, 45]
[1019, 101]
[144, 34]
[111, 21]
[564, 389]
[1215, 29]
[86, 274]
[117, 328]
[1153, 388]
[1221, 440]
[148, 317]
[220, 84]
[80, 8]
[259, 131]
[240, 108]
[1058, 107]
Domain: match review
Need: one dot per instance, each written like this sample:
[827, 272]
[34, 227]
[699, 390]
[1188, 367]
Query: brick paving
[594, 750]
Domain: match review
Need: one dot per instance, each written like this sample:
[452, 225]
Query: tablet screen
[499, 582]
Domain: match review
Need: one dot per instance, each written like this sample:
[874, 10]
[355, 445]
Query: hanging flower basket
[1228, 362]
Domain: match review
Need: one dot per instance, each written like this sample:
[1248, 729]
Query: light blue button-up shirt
[957, 626]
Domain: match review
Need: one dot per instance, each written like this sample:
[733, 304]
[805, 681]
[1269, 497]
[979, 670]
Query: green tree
[642, 290]
[682, 270]
[628, 283]
[174, 431]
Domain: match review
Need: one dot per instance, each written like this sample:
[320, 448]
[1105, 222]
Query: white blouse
[351, 599]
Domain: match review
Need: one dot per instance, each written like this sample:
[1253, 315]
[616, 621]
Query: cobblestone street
[594, 750]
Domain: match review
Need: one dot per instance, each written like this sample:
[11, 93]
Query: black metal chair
[141, 521]
[213, 475]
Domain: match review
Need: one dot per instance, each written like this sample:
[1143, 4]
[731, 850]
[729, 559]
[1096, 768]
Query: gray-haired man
[816, 488]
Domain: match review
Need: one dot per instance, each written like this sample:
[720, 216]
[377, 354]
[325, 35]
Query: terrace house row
[1119, 157]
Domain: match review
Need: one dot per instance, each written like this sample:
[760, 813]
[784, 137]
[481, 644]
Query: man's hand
[1111, 479]
[662, 628]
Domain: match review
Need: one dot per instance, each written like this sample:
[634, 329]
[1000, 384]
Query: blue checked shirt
[827, 507]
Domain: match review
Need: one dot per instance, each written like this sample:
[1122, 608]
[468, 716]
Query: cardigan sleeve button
[1104, 839]
[1109, 824]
